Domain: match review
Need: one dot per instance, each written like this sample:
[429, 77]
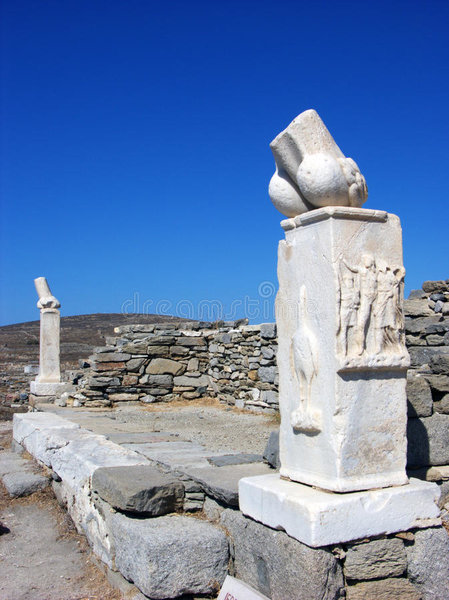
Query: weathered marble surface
[311, 170]
[319, 518]
[49, 365]
[342, 358]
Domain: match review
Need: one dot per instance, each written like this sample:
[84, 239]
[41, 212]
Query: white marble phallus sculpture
[311, 170]
[341, 355]
[48, 382]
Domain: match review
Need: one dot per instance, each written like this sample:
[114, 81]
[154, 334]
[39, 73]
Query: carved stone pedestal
[49, 366]
[47, 385]
[342, 375]
[342, 359]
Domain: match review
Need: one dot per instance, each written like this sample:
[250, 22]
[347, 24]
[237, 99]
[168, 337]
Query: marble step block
[319, 518]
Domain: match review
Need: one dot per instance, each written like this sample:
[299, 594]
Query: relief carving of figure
[349, 302]
[367, 285]
[305, 363]
[370, 310]
[388, 307]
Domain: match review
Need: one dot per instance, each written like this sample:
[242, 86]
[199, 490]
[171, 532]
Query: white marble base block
[341, 357]
[319, 518]
[50, 389]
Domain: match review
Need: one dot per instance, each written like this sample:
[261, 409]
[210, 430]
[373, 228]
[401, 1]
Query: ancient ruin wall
[236, 363]
[233, 361]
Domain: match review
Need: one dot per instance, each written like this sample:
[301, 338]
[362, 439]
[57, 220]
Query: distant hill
[79, 334]
[19, 343]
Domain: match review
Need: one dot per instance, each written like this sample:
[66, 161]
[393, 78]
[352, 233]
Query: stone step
[139, 489]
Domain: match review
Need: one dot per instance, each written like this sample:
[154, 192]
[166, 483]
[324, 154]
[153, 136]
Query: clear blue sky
[135, 157]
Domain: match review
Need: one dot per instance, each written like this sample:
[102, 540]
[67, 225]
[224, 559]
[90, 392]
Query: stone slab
[175, 455]
[23, 483]
[419, 395]
[10, 462]
[320, 518]
[50, 389]
[138, 489]
[72, 452]
[383, 589]
[222, 483]
[234, 459]
[149, 437]
[167, 557]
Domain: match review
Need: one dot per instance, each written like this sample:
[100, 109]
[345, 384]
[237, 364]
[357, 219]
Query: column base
[50, 389]
[319, 518]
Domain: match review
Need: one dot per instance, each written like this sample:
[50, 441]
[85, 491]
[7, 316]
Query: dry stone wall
[427, 338]
[236, 363]
[231, 360]
[242, 367]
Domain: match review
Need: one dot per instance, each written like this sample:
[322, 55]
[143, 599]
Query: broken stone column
[48, 382]
[342, 358]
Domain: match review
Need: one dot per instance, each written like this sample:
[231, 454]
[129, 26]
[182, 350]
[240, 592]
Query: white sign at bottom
[234, 589]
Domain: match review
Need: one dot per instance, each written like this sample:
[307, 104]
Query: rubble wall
[236, 363]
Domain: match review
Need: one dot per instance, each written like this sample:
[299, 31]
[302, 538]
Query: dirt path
[41, 555]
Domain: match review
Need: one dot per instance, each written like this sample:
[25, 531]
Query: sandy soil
[41, 555]
[218, 427]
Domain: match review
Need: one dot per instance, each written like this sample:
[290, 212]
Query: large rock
[271, 452]
[170, 556]
[160, 340]
[268, 330]
[428, 563]
[383, 589]
[417, 308]
[267, 374]
[134, 364]
[24, 483]
[424, 355]
[436, 286]
[376, 559]
[428, 441]
[191, 341]
[279, 566]
[440, 383]
[139, 489]
[419, 395]
[422, 325]
[165, 366]
[440, 363]
[163, 381]
[102, 382]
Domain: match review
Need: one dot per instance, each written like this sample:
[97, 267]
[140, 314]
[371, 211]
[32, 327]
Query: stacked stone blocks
[233, 361]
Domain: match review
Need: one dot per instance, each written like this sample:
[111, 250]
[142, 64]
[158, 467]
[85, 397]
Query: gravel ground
[42, 557]
[218, 428]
